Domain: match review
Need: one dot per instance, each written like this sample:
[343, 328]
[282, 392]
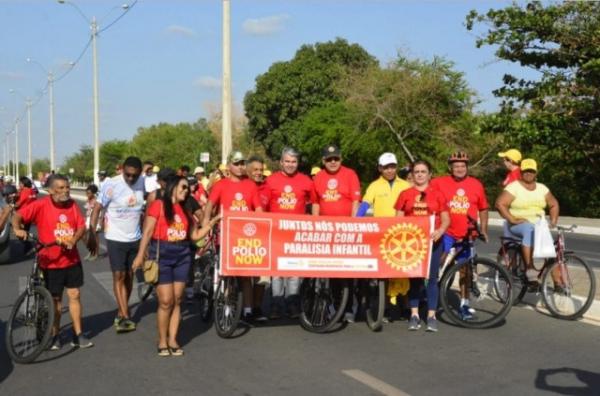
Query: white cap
[387, 158]
[198, 169]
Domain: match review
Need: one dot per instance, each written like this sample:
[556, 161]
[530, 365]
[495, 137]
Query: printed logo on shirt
[420, 207]
[239, 203]
[459, 204]
[288, 199]
[132, 200]
[176, 231]
[331, 194]
[63, 232]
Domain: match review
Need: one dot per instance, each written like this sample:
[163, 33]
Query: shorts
[56, 280]
[449, 242]
[121, 254]
[174, 261]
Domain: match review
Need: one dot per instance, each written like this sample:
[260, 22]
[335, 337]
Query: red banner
[272, 244]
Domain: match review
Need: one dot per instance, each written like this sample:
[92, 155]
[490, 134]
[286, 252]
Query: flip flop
[177, 351]
[164, 352]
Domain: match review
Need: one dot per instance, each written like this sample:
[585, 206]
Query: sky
[161, 62]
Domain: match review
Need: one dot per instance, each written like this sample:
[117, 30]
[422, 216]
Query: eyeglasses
[131, 175]
[239, 163]
[184, 187]
[332, 159]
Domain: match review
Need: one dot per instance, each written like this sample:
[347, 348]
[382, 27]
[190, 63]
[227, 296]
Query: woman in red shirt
[26, 193]
[168, 229]
[422, 200]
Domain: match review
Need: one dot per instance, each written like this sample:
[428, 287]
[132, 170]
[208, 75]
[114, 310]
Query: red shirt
[288, 194]
[336, 193]
[262, 195]
[199, 193]
[54, 223]
[174, 232]
[412, 204]
[26, 196]
[512, 176]
[235, 195]
[464, 198]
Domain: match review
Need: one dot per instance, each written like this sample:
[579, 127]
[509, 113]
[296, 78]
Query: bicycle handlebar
[567, 229]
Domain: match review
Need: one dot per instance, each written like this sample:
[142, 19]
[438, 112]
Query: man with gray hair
[287, 191]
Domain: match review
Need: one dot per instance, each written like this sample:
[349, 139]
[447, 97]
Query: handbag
[151, 266]
[543, 244]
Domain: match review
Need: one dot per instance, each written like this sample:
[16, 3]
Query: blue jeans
[414, 294]
[523, 231]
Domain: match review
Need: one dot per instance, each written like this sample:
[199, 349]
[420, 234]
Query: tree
[40, 166]
[290, 89]
[555, 118]
[112, 153]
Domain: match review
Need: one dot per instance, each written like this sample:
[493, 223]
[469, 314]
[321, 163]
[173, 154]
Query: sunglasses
[239, 163]
[332, 159]
[131, 175]
[184, 187]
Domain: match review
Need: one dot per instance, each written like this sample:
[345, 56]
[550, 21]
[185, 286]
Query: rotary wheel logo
[404, 246]
[249, 229]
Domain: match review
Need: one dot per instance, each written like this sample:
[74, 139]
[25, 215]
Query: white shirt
[151, 183]
[123, 205]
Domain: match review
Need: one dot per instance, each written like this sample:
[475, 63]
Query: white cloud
[264, 26]
[8, 75]
[208, 82]
[179, 30]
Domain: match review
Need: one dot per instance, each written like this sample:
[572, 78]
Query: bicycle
[479, 276]
[204, 266]
[567, 283]
[322, 303]
[32, 316]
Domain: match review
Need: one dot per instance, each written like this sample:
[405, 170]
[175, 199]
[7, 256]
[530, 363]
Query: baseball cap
[155, 169]
[236, 156]
[165, 173]
[387, 158]
[513, 154]
[528, 164]
[198, 169]
[102, 173]
[330, 151]
[315, 170]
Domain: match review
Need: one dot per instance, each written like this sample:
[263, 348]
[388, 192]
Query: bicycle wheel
[322, 303]
[373, 301]
[516, 268]
[29, 325]
[227, 306]
[480, 277]
[568, 288]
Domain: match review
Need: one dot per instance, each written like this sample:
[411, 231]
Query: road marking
[105, 279]
[374, 383]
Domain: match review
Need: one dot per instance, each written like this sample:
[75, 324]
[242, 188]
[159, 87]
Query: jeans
[523, 231]
[414, 293]
[287, 287]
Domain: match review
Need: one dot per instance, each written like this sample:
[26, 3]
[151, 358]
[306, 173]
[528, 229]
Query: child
[91, 192]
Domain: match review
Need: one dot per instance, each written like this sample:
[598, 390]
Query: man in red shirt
[287, 191]
[59, 221]
[465, 197]
[235, 193]
[512, 161]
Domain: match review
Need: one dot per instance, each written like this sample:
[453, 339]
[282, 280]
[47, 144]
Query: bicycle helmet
[458, 156]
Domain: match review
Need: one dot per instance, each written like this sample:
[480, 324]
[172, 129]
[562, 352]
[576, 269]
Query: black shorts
[121, 254]
[57, 279]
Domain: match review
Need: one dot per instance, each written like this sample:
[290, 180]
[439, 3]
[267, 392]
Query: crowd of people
[148, 212]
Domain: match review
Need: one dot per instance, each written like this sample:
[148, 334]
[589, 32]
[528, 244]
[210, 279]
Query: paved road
[528, 354]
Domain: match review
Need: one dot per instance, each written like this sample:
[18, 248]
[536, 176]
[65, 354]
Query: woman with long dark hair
[168, 229]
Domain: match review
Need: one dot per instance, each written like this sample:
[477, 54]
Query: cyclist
[511, 159]
[465, 197]
[522, 203]
[424, 200]
[235, 193]
[336, 192]
[287, 191]
[58, 220]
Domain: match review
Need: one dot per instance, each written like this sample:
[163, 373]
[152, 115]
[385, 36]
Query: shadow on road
[589, 381]
[6, 365]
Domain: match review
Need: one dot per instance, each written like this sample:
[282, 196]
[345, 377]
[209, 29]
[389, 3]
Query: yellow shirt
[527, 204]
[382, 197]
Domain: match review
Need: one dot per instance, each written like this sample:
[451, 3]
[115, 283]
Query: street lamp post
[28, 104]
[51, 107]
[94, 28]
[226, 90]
[17, 150]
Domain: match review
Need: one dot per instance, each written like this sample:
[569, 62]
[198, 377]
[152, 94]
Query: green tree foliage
[40, 165]
[555, 118]
[82, 163]
[112, 153]
[290, 89]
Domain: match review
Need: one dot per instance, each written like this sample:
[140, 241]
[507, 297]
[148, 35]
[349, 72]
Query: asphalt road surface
[529, 354]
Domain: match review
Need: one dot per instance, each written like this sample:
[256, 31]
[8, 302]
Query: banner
[274, 244]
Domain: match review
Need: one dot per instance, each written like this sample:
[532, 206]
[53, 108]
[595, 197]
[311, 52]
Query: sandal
[175, 351]
[164, 352]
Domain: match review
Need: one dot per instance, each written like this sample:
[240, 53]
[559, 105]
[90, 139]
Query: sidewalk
[584, 226]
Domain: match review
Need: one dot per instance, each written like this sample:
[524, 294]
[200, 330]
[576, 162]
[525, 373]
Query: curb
[581, 230]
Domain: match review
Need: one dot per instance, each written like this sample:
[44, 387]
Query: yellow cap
[267, 173]
[315, 170]
[513, 154]
[155, 169]
[528, 164]
[222, 167]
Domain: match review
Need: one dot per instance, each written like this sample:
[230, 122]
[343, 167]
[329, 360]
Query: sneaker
[465, 312]
[349, 317]
[414, 323]
[258, 315]
[432, 325]
[116, 321]
[247, 317]
[56, 344]
[81, 341]
[125, 325]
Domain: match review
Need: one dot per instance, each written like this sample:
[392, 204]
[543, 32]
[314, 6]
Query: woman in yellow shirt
[521, 203]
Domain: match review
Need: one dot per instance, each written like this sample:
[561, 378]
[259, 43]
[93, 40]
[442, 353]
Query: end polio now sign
[273, 244]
